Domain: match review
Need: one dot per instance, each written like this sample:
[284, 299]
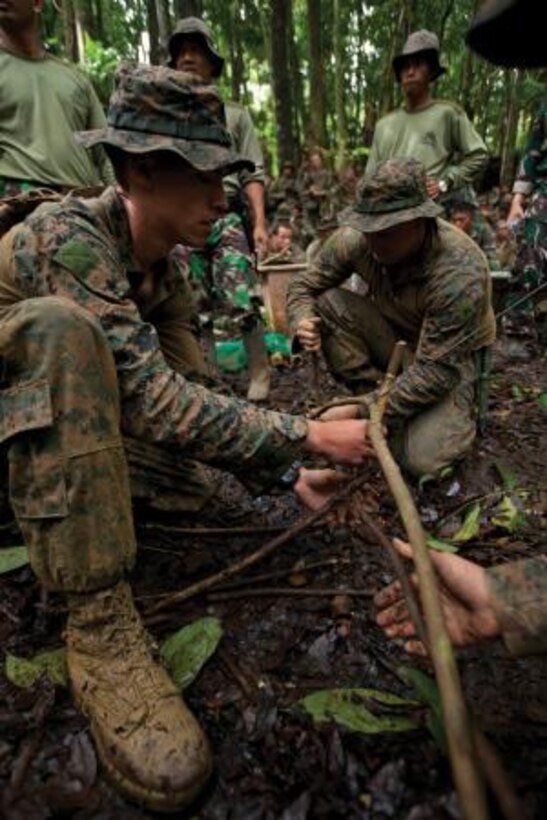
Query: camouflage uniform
[84, 357]
[226, 265]
[440, 304]
[531, 262]
[519, 595]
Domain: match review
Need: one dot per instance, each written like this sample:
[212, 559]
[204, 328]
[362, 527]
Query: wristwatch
[443, 186]
[290, 476]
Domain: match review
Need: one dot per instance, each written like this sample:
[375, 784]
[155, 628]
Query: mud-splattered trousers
[81, 368]
[440, 304]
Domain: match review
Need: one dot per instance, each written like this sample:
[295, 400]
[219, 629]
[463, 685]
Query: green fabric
[42, 103]
[245, 142]
[231, 356]
[440, 135]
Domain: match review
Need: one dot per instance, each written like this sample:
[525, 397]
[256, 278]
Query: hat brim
[437, 69]
[174, 46]
[201, 155]
[372, 223]
[503, 33]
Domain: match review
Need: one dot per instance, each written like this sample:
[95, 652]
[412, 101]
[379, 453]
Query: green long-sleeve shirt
[440, 136]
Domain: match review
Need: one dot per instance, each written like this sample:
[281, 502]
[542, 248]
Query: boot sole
[166, 803]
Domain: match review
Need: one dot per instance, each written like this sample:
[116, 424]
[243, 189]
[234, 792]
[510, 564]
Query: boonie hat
[186, 27]
[421, 42]
[154, 108]
[395, 193]
[507, 32]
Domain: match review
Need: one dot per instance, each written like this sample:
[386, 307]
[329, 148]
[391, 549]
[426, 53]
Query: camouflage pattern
[519, 596]
[531, 180]
[222, 274]
[480, 231]
[315, 188]
[188, 26]
[154, 108]
[424, 43]
[80, 252]
[440, 304]
[395, 193]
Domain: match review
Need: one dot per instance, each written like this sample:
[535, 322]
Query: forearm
[519, 596]
[467, 171]
[255, 195]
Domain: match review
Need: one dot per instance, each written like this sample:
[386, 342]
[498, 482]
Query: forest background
[314, 73]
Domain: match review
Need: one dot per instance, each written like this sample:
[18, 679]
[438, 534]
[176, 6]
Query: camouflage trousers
[70, 484]
[531, 265]
[357, 342]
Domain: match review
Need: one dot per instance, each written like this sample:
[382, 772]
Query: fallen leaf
[13, 558]
[507, 516]
[186, 652]
[470, 526]
[24, 672]
[427, 692]
[441, 546]
[349, 708]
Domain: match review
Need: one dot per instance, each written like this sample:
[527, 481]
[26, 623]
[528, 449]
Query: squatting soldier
[427, 284]
[468, 217]
[88, 305]
[227, 262]
[509, 599]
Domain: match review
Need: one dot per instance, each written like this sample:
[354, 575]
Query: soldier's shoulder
[450, 106]
[459, 260]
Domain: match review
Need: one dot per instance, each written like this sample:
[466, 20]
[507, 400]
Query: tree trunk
[317, 131]
[187, 8]
[237, 65]
[300, 119]
[153, 32]
[164, 26]
[341, 130]
[70, 32]
[281, 80]
[507, 172]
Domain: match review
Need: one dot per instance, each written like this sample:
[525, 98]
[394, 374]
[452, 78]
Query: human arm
[458, 319]
[465, 598]
[534, 155]
[255, 195]
[469, 152]
[477, 603]
[335, 263]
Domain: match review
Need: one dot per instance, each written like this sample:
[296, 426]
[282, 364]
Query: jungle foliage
[313, 72]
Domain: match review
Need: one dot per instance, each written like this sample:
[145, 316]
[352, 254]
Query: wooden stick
[461, 747]
[291, 592]
[258, 555]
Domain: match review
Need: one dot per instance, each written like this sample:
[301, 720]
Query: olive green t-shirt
[440, 135]
[42, 103]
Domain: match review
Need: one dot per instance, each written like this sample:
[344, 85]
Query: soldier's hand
[345, 411]
[260, 236]
[432, 187]
[465, 601]
[314, 488]
[308, 333]
[342, 442]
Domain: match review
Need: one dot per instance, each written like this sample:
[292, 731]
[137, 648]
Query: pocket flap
[25, 407]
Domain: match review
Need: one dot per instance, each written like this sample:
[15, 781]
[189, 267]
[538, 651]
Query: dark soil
[271, 760]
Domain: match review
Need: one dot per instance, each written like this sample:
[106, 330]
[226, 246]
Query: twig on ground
[298, 592]
[301, 525]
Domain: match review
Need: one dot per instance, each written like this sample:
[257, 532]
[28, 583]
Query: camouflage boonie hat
[154, 108]
[395, 193]
[507, 32]
[192, 26]
[421, 42]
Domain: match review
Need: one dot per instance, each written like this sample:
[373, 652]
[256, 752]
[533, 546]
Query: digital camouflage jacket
[81, 250]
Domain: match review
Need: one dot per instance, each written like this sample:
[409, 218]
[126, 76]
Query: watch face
[443, 187]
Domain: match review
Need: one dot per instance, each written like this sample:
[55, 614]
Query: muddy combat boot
[149, 743]
[252, 332]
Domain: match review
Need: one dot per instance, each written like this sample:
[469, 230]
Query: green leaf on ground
[542, 398]
[425, 479]
[185, 652]
[355, 709]
[427, 692]
[24, 672]
[471, 524]
[508, 477]
[13, 558]
[441, 546]
[507, 516]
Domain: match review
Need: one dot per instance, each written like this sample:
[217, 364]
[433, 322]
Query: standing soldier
[229, 252]
[42, 102]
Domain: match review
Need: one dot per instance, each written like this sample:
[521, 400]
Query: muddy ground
[277, 647]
